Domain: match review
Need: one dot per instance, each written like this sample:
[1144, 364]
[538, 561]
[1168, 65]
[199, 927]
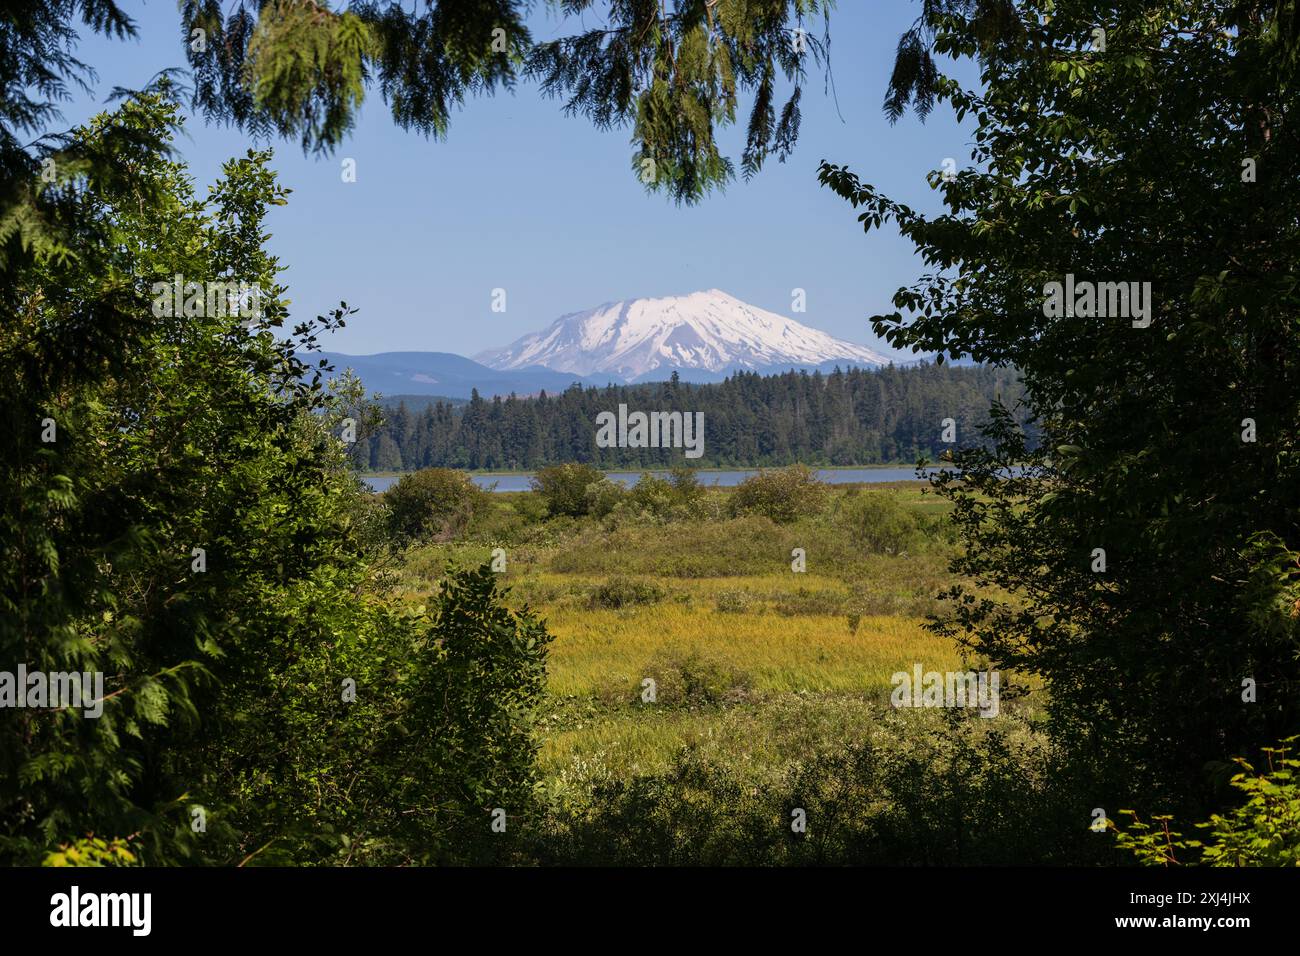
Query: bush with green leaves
[391, 740]
[621, 592]
[656, 500]
[604, 497]
[433, 504]
[693, 678]
[651, 497]
[922, 788]
[687, 489]
[880, 524]
[1263, 829]
[564, 488]
[783, 495]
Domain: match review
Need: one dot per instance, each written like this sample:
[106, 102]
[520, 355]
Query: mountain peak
[710, 331]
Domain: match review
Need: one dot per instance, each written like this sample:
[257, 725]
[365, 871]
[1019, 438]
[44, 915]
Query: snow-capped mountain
[707, 331]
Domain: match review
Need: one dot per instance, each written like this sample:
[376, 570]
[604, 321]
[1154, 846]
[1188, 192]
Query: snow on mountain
[708, 331]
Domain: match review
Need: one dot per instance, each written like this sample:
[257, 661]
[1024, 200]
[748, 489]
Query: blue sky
[521, 197]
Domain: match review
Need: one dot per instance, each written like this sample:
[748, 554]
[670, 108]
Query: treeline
[854, 417]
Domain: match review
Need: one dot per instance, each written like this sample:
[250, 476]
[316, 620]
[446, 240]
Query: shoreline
[636, 471]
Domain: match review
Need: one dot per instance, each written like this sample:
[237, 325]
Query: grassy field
[755, 665]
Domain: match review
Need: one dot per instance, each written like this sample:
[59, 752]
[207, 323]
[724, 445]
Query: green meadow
[709, 661]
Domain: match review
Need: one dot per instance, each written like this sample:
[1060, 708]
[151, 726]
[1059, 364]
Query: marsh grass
[757, 669]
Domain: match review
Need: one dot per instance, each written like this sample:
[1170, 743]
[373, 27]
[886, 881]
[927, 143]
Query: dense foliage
[177, 515]
[1262, 830]
[853, 417]
[880, 525]
[1151, 548]
[940, 791]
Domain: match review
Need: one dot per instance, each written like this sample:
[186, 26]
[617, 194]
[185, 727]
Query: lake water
[723, 479]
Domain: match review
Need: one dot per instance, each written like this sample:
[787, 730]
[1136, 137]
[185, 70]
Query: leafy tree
[1150, 545]
[298, 68]
[42, 183]
[678, 496]
[686, 484]
[604, 496]
[162, 468]
[673, 72]
[652, 495]
[394, 732]
[178, 515]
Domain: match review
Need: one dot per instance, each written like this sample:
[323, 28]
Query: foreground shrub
[679, 497]
[1264, 830]
[924, 788]
[652, 496]
[564, 488]
[686, 485]
[434, 503]
[783, 495]
[195, 537]
[392, 738]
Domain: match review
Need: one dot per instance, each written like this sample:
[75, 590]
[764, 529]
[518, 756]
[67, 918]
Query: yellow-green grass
[596, 651]
[794, 675]
[764, 735]
[809, 678]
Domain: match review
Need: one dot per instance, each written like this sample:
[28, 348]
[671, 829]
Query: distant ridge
[444, 373]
